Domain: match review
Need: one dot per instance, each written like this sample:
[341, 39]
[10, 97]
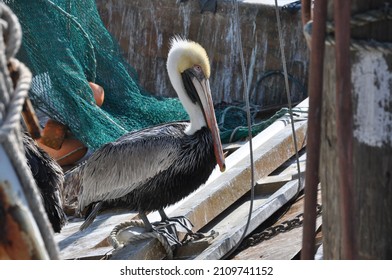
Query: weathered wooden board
[284, 246]
[270, 195]
[232, 227]
[92, 243]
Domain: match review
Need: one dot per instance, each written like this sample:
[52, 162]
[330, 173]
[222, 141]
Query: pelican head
[189, 71]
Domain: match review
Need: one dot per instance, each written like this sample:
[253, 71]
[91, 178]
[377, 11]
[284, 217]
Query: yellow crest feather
[192, 54]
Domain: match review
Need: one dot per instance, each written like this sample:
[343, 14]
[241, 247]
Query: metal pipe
[314, 128]
[344, 122]
[305, 11]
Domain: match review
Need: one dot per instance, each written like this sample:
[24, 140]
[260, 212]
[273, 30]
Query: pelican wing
[121, 166]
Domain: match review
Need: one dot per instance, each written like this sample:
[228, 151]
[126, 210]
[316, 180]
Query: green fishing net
[66, 45]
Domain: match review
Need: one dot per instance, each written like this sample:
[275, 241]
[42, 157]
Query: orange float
[99, 94]
[70, 152]
[66, 150]
[53, 134]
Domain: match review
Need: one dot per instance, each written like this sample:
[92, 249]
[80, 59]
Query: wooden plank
[284, 246]
[232, 227]
[91, 243]
[268, 199]
[30, 119]
[150, 249]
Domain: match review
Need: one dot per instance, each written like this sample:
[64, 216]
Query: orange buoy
[66, 151]
[53, 134]
[99, 93]
[70, 152]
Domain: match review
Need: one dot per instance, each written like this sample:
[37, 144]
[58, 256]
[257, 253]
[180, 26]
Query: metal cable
[286, 79]
[246, 97]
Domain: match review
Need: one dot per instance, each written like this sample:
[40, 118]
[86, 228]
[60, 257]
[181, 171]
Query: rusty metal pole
[305, 11]
[344, 122]
[314, 128]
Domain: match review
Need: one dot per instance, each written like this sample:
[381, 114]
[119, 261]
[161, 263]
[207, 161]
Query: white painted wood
[371, 81]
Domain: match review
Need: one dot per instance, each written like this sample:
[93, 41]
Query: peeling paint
[372, 87]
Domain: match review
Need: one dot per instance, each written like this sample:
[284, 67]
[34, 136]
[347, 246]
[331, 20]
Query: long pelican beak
[203, 96]
[209, 114]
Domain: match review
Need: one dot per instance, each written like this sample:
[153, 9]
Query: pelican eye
[198, 68]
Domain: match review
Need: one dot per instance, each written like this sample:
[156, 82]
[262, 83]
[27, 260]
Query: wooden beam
[285, 245]
[91, 243]
[30, 119]
[231, 224]
[150, 249]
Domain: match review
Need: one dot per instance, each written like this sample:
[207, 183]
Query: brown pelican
[149, 169]
[49, 179]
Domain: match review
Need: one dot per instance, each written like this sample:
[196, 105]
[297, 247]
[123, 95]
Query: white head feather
[183, 55]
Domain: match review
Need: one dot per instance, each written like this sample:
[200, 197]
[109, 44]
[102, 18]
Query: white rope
[11, 101]
[137, 237]
[12, 118]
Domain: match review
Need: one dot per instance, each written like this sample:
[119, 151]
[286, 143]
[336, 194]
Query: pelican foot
[168, 227]
[169, 231]
[181, 221]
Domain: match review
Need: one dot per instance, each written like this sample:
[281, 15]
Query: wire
[248, 117]
[246, 93]
[286, 80]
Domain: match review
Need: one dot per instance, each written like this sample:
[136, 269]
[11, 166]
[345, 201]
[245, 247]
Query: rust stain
[15, 244]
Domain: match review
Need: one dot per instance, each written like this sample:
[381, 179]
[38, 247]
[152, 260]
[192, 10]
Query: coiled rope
[132, 237]
[11, 102]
